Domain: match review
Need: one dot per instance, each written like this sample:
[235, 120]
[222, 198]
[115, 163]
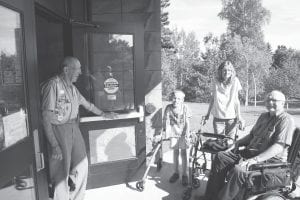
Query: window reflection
[19, 187]
[12, 97]
[111, 71]
[112, 144]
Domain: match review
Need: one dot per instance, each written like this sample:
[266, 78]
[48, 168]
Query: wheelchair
[274, 181]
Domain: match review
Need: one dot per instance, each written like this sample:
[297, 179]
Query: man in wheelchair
[267, 142]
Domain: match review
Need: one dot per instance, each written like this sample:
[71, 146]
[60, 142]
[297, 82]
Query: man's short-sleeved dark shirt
[269, 130]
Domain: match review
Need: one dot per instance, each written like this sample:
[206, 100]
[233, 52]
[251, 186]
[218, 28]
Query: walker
[196, 168]
[140, 185]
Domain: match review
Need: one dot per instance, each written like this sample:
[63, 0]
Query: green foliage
[168, 74]
[285, 72]
[167, 53]
[281, 56]
[164, 22]
[259, 70]
[244, 45]
[283, 79]
[7, 62]
[251, 60]
[206, 70]
[245, 17]
[178, 65]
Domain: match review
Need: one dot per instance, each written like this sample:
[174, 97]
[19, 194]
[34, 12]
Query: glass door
[20, 167]
[113, 71]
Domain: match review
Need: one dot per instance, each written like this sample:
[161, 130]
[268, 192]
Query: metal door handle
[142, 113]
[40, 161]
[139, 113]
[39, 156]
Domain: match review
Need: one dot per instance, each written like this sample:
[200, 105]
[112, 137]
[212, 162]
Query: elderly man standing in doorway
[60, 106]
[268, 141]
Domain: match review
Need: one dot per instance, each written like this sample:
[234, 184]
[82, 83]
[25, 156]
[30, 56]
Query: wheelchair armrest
[217, 136]
[261, 166]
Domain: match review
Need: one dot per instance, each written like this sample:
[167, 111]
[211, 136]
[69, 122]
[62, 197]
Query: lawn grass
[249, 113]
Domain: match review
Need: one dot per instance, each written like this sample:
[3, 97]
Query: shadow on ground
[174, 191]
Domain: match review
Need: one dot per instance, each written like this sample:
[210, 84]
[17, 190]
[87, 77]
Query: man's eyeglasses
[274, 100]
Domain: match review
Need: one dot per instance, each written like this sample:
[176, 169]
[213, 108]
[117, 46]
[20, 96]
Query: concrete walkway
[157, 187]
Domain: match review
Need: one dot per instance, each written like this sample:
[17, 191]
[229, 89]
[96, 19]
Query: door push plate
[141, 113]
[39, 156]
[40, 161]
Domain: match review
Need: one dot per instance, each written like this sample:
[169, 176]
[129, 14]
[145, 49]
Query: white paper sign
[14, 128]
[111, 85]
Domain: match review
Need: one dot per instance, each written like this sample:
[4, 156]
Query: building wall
[146, 12]
[50, 47]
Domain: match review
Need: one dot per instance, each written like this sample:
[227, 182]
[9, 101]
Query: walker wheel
[159, 165]
[20, 184]
[196, 183]
[140, 186]
[187, 194]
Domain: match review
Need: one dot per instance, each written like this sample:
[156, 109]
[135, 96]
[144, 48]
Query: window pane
[111, 71]
[12, 96]
[112, 144]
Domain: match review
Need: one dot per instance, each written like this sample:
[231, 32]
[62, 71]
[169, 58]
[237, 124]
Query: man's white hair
[276, 95]
[68, 61]
[179, 92]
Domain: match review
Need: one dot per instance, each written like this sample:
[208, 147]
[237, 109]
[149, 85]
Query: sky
[201, 16]
[7, 30]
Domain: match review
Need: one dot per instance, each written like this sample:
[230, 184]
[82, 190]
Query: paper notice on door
[14, 128]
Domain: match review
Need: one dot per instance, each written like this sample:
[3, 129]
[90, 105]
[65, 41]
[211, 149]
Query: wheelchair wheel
[187, 194]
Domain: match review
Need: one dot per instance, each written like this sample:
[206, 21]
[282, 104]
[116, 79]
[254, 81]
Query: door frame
[27, 150]
[102, 174]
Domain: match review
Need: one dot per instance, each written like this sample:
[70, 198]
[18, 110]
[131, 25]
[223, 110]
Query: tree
[7, 62]
[285, 80]
[190, 61]
[169, 79]
[251, 61]
[164, 22]
[245, 18]
[211, 58]
[177, 65]
[246, 45]
[281, 56]
[285, 72]
[167, 53]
